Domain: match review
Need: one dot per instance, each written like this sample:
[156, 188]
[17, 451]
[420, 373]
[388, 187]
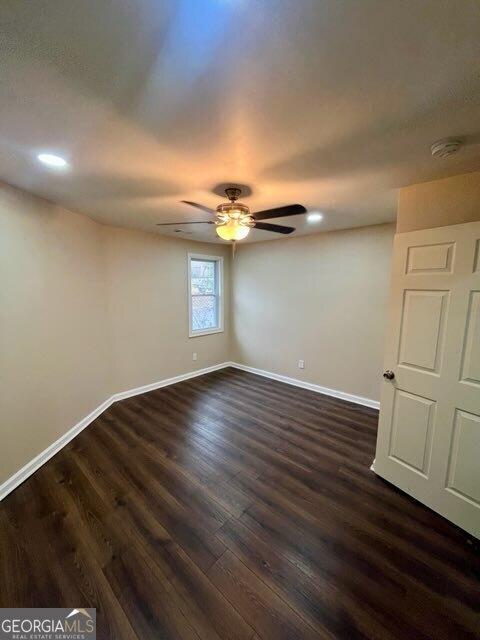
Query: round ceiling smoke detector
[446, 147]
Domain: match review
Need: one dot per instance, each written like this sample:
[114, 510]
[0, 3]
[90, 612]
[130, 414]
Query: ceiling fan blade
[168, 224]
[198, 206]
[280, 212]
[276, 228]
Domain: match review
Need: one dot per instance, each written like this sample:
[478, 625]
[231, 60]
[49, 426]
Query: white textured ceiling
[330, 103]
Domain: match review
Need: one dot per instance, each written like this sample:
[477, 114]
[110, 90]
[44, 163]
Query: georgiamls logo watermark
[48, 624]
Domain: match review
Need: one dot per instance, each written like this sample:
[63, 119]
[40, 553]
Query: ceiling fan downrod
[233, 193]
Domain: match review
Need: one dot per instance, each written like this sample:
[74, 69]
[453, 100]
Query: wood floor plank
[14, 561]
[364, 517]
[268, 614]
[213, 615]
[195, 476]
[320, 602]
[231, 506]
[148, 599]
[265, 433]
[65, 572]
[299, 427]
[317, 554]
[192, 528]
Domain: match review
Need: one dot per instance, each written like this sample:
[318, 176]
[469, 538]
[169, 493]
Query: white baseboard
[26, 471]
[342, 395]
[165, 383]
[22, 474]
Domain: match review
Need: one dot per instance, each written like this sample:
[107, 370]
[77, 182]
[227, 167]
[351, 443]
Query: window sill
[206, 332]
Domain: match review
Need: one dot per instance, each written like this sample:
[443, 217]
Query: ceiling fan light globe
[232, 230]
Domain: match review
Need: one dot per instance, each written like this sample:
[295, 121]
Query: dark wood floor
[232, 506]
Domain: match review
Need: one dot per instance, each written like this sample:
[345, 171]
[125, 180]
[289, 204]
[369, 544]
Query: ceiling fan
[233, 220]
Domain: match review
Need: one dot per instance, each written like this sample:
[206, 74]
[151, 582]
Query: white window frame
[219, 294]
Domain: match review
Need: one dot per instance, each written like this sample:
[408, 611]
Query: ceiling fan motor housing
[234, 211]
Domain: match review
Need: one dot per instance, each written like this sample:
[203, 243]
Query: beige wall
[86, 311]
[439, 203]
[55, 365]
[147, 285]
[320, 298]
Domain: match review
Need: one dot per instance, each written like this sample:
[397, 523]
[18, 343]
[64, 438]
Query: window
[205, 276]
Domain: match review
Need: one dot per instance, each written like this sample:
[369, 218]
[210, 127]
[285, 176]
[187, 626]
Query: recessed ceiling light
[51, 160]
[315, 216]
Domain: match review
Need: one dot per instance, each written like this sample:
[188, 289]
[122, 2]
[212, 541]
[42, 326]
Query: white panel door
[429, 430]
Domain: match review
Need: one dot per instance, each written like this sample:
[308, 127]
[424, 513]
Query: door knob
[388, 375]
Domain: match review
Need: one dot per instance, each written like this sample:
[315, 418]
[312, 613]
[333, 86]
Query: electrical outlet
[301, 364]
[194, 356]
